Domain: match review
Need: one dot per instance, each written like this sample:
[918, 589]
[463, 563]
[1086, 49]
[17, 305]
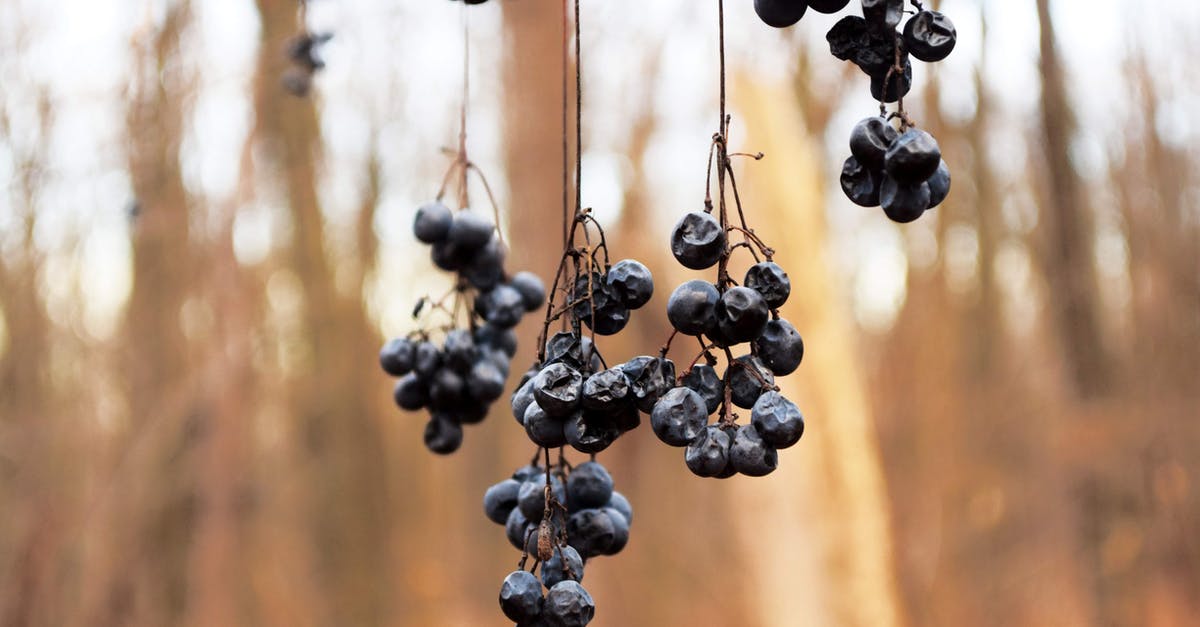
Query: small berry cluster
[728, 315]
[459, 381]
[900, 171]
[562, 517]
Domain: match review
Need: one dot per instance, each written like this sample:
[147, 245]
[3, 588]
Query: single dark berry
[447, 388]
[777, 420]
[704, 380]
[860, 184]
[590, 432]
[679, 416]
[692, 306]
[590, 531]
[502, 307]
[588, 485]
[768, 279]
[396, 357]
[564, 565]
[485, 269]
[542, 429]
[470, 231]
[883, 15]
[449, 256]
[410, 393]
[827, 6]
[607, 391]
[621, 504]
[620, 531]
[649, 378]
[903, 203]
[939, 185]
[930, 36]
[485, 383]
[748, 377]
[521, 596]
[780, 347]
[572, 350]
[913, 157]
[531, 498]
[501, 339]
[558, 389]
[442, 435]
[500, 499]
[698, 241]
[531, 288]
[607, 320]
[847, 37]
[426, 360]
[522, 398]
[741, 314]
[515, 528]
[751, 456]
[780, 13]
[432, 222]
[898, 84]
[458, 351]
[707, 455]
[568, 605]
[630, 283]
[870, 140]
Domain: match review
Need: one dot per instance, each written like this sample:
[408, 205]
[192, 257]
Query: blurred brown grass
[960, 468]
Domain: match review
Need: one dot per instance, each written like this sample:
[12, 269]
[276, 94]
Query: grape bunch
[561, 516]
[723, 316]
[903, 173]
[784, 13]
[459, 380]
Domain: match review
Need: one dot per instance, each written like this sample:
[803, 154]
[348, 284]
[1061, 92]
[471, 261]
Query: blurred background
[197, 269]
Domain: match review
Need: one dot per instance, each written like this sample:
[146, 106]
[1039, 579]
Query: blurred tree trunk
[1067, 257]
[340, 438]
[837, 465]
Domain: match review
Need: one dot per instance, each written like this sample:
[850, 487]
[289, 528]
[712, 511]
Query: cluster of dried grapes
[458, 381]
[900, 170]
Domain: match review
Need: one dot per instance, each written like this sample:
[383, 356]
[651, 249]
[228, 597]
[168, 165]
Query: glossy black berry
[500, 499]
[679, 416]
[768, 279]
[396, 357]
[502, 307]
[860, 184]
[504, 340]
[572, 350]
[442, 435]
[777, 420]
[458, 350]
[590, 432]
[558, 388]
[870, 140]
[590, 531]
[522, 398]
[568, 605]
[692, 307]
[847, 37]
[939, 185]
[748, 377]
[485, 382]
[704, 380]
[930, 36]
[630, 283]
[913, 157]
[903, 203]
[565, 565]
[446, 388]
[780, 347]
[750, 455]
[410, 393]
[780, 13]
[608, 320]
[531, 288]
[426, 359]
[707, 455]
[470, 231]
[588, 485]
[432, 222]
[607, 391]
[649, 378]
[741, 314]
[542, 429]
[620, 531]
[698, 241]
[521, 596]
[485, 269]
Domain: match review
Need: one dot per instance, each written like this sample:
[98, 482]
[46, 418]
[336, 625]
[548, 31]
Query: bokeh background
[197, 269]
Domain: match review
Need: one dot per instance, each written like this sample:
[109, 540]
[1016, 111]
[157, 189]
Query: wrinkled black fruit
[708, 454]
[704, 380]
[883, 15]
[558, 388]
[741, 314]
[679, 416]
[589, 485]
[860, 184]
[939, 185]
[521, 596]
[542, 429]
[913, 157]
[930, 36]
[898, 85]
[692, 307]
[903, 203]
[649, 378]
[748, 376]
[607, 391]
[568, 605]
[590, 531]
[590, 432]
[698, 241]
[564, 565]
[777, 420]
[630, 283]
[870, 140]
[750, 455]
[768, 279]
[780, 347]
